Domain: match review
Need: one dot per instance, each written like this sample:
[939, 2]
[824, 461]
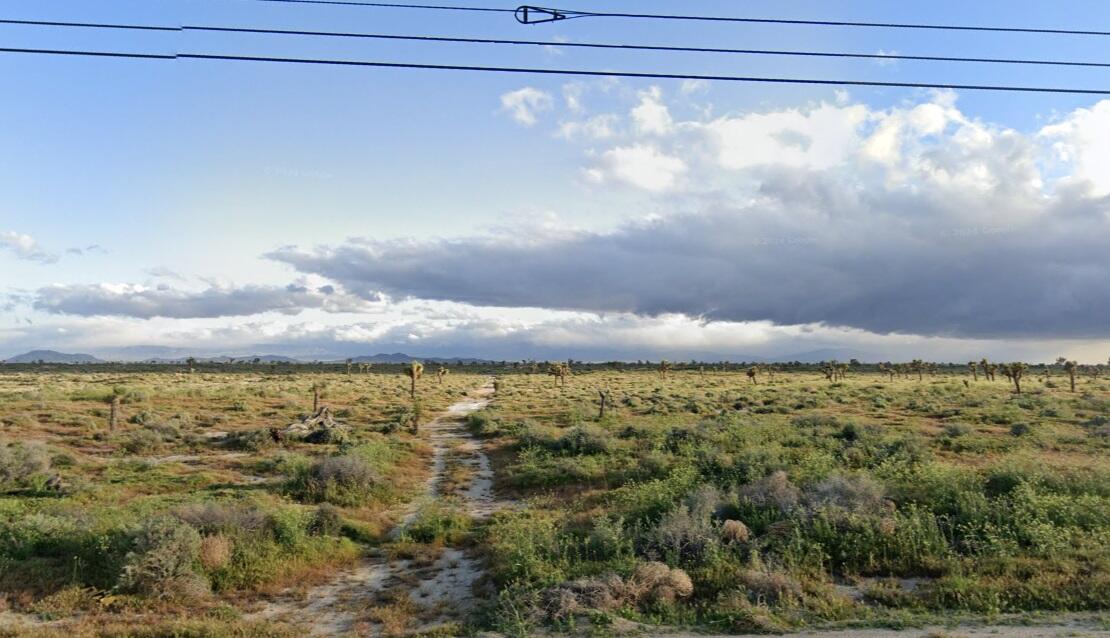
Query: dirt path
[421, 592]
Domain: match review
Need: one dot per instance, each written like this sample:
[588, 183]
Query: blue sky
[192, 176]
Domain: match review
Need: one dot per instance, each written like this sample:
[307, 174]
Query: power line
[95, 54]
[588, 45]
[89, 25]
[574, 13]
[392, 5]
[570, 13]
[568, 72]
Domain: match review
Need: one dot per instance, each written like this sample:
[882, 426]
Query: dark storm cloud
[813, 248]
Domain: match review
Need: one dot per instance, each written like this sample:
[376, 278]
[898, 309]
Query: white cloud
[524, 104]
[817, 137]
[25, 247]
[690, 87]
[598, 127]
[883, 61]
[641, 165]
[1082, 142]
[651, 116]
[572, 96]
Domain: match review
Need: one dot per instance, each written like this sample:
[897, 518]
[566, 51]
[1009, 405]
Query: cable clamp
[526, 14]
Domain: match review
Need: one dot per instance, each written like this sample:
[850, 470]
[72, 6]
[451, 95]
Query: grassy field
[701, 498]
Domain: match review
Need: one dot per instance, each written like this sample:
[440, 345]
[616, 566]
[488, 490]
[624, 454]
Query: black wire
[572, 13]
[590, 45]
[96, 54]
[830, 23]
[90, 25]
[391, 5]
[571, 72]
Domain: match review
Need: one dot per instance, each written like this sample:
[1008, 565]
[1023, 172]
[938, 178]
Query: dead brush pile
[650, 585]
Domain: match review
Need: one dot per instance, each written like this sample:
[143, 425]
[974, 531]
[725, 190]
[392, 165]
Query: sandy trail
[440, 592]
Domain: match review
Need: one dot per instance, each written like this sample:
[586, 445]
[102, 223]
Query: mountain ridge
[53, 356]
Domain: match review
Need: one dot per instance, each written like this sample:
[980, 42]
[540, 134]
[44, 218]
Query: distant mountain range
[178, 358]
[52, 356]
[175, 356]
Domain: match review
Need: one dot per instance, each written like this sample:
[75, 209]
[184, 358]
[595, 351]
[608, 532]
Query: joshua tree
[414, 371]
[114, 409]
[191, 363]
[349, 364]
[664, 368]
[887, 368]
[560, 371]
[988, 368]
[918, 366]
[1071, 368]
[752, 371]
[317, 394]
[440, 374]
[603, 401]
[973, 368]
[1014, 372]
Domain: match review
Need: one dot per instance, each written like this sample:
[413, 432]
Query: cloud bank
[913, 220]
[143, 302]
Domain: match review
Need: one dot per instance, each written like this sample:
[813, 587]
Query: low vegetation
[741, 498]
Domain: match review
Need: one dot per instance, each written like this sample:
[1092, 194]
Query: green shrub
[525, 548]
[853, 494]
[251, 440]
[163, 561]
[347, 480]
[142, 442]
[582, 440]
[955, 430]
[326, 521]
[439, 523]
[23, 465]
[682, 536]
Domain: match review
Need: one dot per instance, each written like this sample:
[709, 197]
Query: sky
[201, 207]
